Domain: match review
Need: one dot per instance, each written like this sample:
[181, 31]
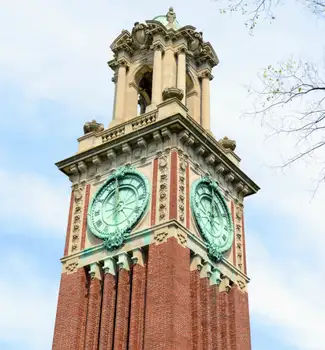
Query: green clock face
[212, 216]
[118, 205]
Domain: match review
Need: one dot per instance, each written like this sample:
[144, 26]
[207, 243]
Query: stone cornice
[186, 130]
[157, 234]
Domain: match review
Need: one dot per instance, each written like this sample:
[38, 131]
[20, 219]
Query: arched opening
[143, 81]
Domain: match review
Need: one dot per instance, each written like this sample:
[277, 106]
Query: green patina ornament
[212, 216]
[118, 205]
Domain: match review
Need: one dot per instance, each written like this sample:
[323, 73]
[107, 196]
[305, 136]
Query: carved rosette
[239, 236]
[181, 187]
[163, 187]
[76, 227]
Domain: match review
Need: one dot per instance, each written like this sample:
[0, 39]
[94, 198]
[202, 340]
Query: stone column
[205, 99]
[157, 75]
[122, 303]
[108, 306]
[94, 307]
[120, 92]
[136, 330]
[181, 72]
[169, 69]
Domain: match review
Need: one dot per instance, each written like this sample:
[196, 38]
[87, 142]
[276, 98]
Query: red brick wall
[205, 313]
[71, 312]
[122, 311]
[168, 309]
[239, 320]
[93, 315]
[108, 313]
[136, 331]
[195, 288]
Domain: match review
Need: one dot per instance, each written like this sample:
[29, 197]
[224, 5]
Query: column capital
[94, 271]
[109, 266]
[123, 261]
[206, 73]
[215, 277]
[196, 263]
[122, 62]
[182, 49]
[137, 257]
[157, 46]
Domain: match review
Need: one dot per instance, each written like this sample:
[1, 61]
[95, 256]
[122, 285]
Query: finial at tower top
[169, 20]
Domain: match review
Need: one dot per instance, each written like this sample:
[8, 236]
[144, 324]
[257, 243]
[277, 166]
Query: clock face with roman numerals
[118, 204]
[212, 216]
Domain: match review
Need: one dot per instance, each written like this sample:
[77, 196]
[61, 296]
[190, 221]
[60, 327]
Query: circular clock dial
[212, 215]
[118, 204]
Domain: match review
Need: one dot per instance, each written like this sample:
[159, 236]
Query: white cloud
[31, 200]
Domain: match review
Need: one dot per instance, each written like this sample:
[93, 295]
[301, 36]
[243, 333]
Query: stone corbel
[157, 46]
[111, 157]
[245, 191]
[73, 173]
[196, 263]
[190, 141]
[157, 137]
[96, 160]
[239, 186]
[230, 177]
[220, 168]
[183, 136]
[166, 134]
[200, 150]
[206, 271]
[128, 151]
[123, 262]
[137, 257]
[94, 271]
[109, 266]
[82, 167]
[210, 159]
[215, 278]
[142, 144]
[225, 284]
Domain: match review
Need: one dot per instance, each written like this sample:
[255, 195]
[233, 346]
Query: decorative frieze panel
[163, 186]
[239, 237]
[182, 185]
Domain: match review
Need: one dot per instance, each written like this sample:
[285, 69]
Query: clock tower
[155, 254]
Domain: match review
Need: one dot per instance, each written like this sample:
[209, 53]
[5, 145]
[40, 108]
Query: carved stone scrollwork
[181, 191]
[140, 35]
[163, 187]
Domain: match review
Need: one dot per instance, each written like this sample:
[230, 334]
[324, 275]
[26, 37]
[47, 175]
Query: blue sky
[54, 77]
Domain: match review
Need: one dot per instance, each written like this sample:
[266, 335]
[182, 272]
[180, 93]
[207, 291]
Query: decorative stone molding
[111, 134]
[145, 120]
[71, 267]
[181, 186]
[181, 238]
[161, 236]
[163, 187]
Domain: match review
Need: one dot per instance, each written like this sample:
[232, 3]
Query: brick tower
[154, 257]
